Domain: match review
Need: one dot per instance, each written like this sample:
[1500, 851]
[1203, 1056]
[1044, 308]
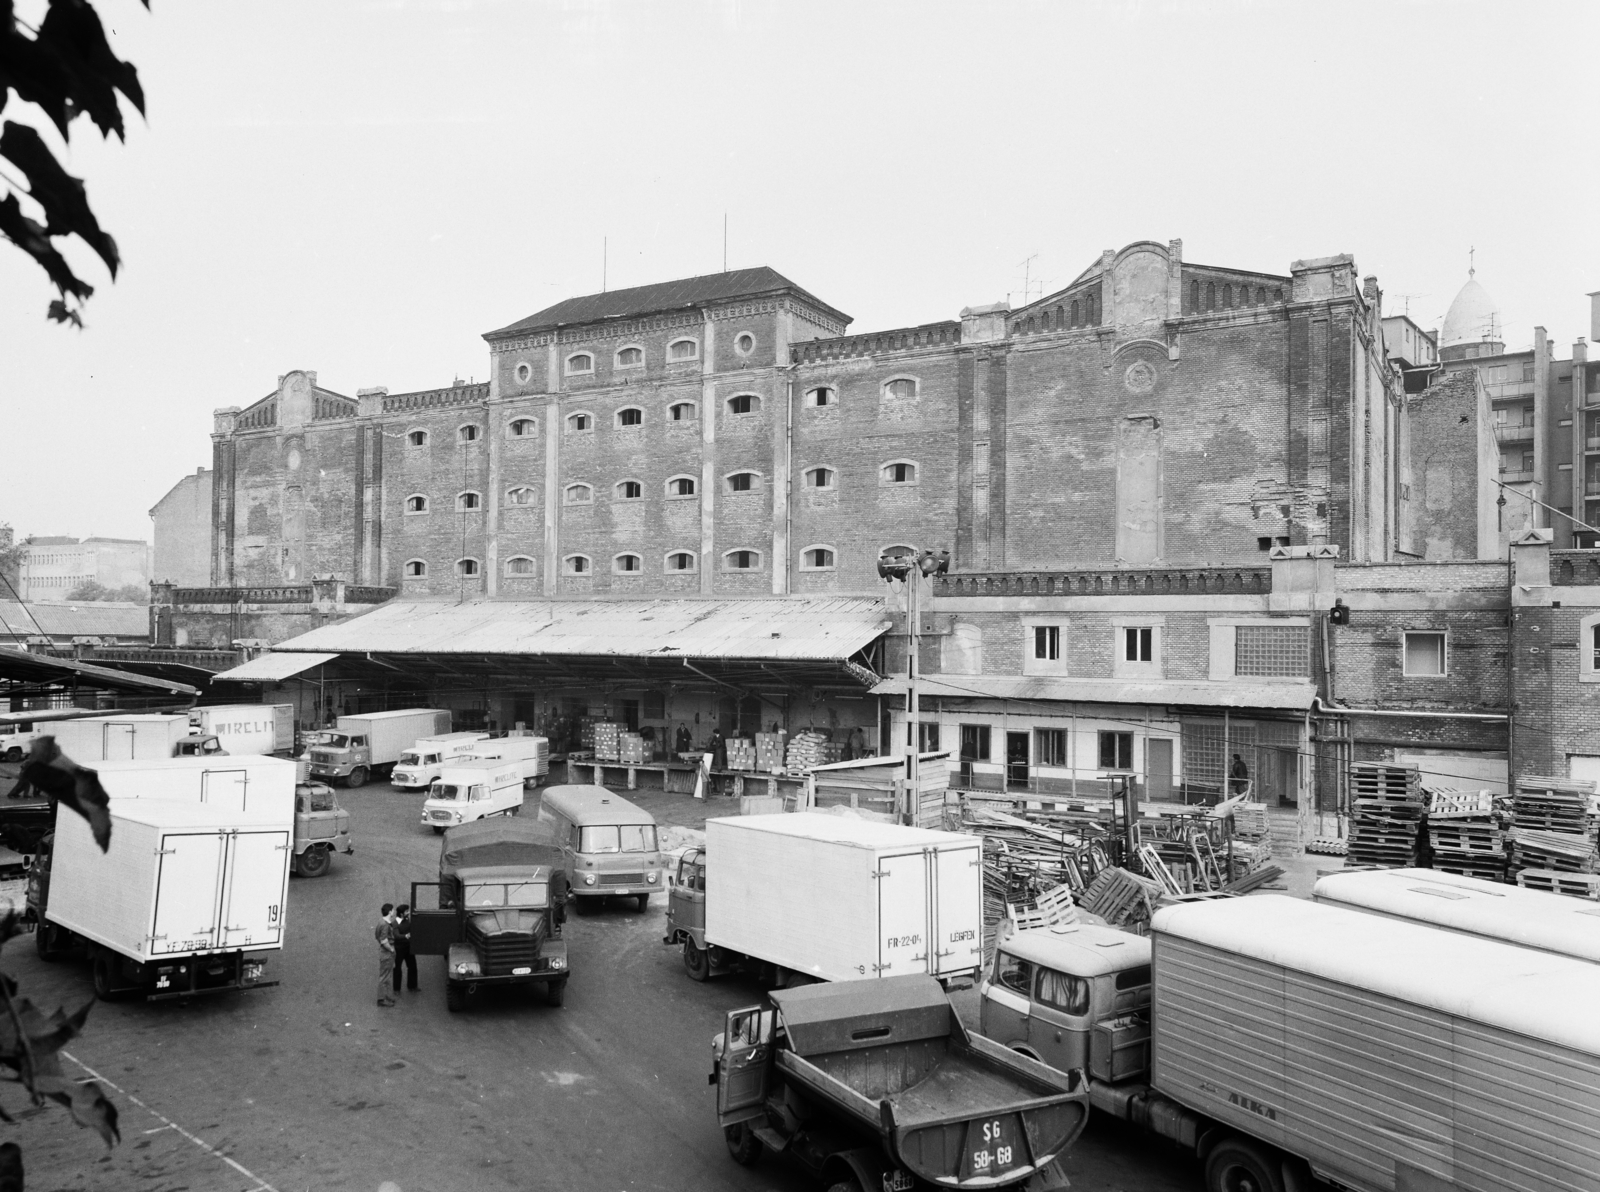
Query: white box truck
[470, 792]
[420, 763]
[812, 896]
[1280, 1041]
[359, 747]
[247, 728]
[188, 900]
[532, 754]
[130, 737]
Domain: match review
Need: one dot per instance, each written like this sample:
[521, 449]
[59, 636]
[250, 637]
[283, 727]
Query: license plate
[899, 1181]
[521, 971]
[994, 1147]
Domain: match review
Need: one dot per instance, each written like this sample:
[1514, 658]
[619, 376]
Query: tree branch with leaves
[65, 68]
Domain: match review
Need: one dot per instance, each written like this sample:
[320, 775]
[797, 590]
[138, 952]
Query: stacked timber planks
[1465, 834]
[1387, 820]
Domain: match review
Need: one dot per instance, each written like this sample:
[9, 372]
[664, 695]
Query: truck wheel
[555, 992]
[696, 961]
[315, 861]
[1239, 1166]
[455, 997]
[743, 1144]
[105, 987]
[644, 903]
[846, 1186]
[358, 777]
[13, 754]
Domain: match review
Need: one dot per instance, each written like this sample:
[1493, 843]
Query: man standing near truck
[384, 934]
[403, 959]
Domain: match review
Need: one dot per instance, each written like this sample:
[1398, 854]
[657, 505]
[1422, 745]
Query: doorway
[1017, 761]
[1158, 768]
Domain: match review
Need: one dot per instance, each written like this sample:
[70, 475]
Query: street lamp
[909, 567]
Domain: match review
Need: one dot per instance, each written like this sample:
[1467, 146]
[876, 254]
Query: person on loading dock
[1238, 776]
[403, 956]
[718, 751]
[384, 934]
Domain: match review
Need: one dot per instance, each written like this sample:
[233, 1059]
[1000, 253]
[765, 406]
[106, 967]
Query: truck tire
[13, 754]
[105, 986]
[1236, 1165]
[743, 1144]
[358, 777]
[644, 903]
[555, 992]
[846, 1186]
[696, 961]
[315, 861]
[455, 996]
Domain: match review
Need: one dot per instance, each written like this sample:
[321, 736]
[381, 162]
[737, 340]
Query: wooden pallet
[1450, 804]
[1578, 885]
[1383, 858]
[1565, 786]
[1471, 866]
[1459, 837]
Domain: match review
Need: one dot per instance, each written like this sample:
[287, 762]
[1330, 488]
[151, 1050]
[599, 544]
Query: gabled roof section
[662, 296]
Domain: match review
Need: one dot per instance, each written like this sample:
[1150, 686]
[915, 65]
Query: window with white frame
[416, 503]
[744, 343]
[521, 495]
[1589, 649]
[1136, 652]
[519, 565]
[466, 567]
[577, 565]
[580, 422]
[682, 411]
[631, 356]
[468, 501]
[683, 349]
[741, 559]
[629, 490]
[899, 471]
[416, 438]
[744, 403]
[1044, 648]
[416, 569]
[820, 477]
[817, 558]
[524, 372]
[681, 560]
[681, 486]
[579, 363]
[822, 395]
[630, 416]
[627, 564]
[578, 494]
[522, 428]
[1424, 654]
[1050, 747]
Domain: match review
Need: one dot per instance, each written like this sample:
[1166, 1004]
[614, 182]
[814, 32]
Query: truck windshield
[333, 740]
[490, 894]
[447, 790]
[610, 838]
[410, 758]
[316, 798]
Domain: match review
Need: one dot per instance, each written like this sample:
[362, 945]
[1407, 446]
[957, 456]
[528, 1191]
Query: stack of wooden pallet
[1553, 836]
[1465, 833]
[1122, 899]
[1387, 819]
[1252, 837]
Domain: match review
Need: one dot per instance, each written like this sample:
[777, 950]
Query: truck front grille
[502, 952]
[323, 756]
[622, 879]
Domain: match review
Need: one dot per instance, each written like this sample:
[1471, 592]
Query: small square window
[1116, 751]
[1425, 655]
[1138, 643]
[1050, 747]
[974, 742]
[1047, 642]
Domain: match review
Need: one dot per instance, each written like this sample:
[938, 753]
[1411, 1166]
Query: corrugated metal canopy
[776, 629]
[273, 667]
[19, 666]
[1277, 695]
[88, 618]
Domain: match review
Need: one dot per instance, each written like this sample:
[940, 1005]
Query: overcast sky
[363, 189]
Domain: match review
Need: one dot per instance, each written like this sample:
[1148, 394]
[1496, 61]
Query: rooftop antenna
[1027, 271]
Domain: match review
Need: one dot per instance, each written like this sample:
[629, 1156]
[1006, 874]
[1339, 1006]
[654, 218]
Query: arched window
[900, 471]
[681, 486]
[681, 560]
[467, 501]
[1074, 313]
[1030, 324]
[627, 564]
[580, 422]
[817, 558]
[900, 387]
[741, 559]
[522, 428]
[467, 433]
[524, 373]
[1211, 295]
[416, 503]
[579, 363]
[1227, 296]
[1261, 295]
[519, 565]
[521, 495]
[682, 411]
[742, 482]
[683, 349]
[415, 569]
[466, 567]
[578, 494]
[1277, 293]
[1194, 296]
[629, 490]
[1094, 309]
[630, 416]
[631, 356]
[820, 477]
[416, 438]
[577, 565]
[744, 403]
[822, 395]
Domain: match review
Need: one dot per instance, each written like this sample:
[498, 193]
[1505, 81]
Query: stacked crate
[1387, 819]
[808, 749]
[741, 753]
[1252, 837]
[1553, 836]
[632, 750]
[1465, 834]
[607, 740]
[769, 752]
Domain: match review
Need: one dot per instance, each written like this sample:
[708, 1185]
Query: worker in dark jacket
[403, 956]
[719, 751]
[1238, 776]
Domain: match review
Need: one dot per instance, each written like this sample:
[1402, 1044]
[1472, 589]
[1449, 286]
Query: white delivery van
[253, 784]
[420, 765]
[16, 738]
[247, 728]
[462, 794]
[830, 898]
[531, 753]
[130, 737]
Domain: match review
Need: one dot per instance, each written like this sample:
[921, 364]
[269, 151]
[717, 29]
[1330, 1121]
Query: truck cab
[16, 739]
[425, 761]
[462, 794]
[321, 828]
[199, 745]
[498, 910]
[341, 755]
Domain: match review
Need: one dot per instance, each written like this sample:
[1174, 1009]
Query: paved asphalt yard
[310, 1086]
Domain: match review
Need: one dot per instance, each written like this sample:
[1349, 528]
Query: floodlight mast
[910, 568]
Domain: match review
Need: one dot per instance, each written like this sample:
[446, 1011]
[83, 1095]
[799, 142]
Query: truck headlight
[588, 879]
[558, 962]
[651, 877]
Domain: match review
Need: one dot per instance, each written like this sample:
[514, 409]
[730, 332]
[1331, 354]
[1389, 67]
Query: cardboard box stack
[607, 740]
[632, 750]
[769, 752]
[741, 753]
[1389, 806]
[1553, 836]
[1465, 834]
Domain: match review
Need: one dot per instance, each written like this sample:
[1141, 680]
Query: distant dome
[1473, 317]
